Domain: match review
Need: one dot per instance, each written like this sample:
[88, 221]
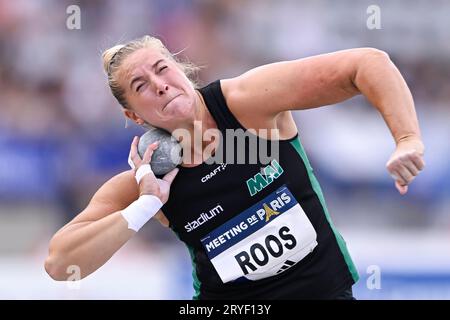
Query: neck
[194, 147]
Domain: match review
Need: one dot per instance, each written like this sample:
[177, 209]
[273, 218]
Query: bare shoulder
[256, 118]
[241, 105]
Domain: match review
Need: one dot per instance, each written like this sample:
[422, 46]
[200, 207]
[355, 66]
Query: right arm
[94, 235]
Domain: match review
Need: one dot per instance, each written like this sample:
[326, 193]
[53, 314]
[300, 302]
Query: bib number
[264, 240]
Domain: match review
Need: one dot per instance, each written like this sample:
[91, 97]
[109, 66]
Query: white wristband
[142, 171]
[140, 211]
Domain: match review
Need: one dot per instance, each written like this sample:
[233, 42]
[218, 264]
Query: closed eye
[162, 68]
[139, 86]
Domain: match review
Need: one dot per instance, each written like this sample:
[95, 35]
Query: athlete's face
[157, 90]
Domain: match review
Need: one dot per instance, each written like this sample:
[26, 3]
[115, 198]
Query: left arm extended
[331, 78]
[383, 85]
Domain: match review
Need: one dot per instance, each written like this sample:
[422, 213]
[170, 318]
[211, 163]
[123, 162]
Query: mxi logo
[262, 180]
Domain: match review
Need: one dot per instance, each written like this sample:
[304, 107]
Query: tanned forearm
[379, 80]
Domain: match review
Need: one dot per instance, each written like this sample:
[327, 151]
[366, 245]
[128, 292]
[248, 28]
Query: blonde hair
[114, 57]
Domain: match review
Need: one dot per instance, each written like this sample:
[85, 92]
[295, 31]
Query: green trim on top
[197, 282]
[316, 187]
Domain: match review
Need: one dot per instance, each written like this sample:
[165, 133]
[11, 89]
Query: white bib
[264, 240]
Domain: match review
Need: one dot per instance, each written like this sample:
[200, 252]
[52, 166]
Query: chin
[183, 109]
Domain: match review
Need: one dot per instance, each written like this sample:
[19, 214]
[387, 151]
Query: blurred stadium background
[62, 134]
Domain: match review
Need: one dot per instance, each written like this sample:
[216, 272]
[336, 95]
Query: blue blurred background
[62, 134]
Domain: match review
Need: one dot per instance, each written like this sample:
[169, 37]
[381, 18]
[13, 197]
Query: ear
[133, 116]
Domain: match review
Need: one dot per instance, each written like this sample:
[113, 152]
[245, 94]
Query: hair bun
[108, 55]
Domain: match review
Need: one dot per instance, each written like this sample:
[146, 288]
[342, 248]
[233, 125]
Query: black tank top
[257, 231]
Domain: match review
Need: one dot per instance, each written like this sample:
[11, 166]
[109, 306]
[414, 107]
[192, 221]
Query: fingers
[414, 161]
[149, 152]
[404, 175]
[400, 173]
[169, 177]
[418, 161]
[411, 167]
[404, 169]
[402, 189]
[162, 218]
[134, 156]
